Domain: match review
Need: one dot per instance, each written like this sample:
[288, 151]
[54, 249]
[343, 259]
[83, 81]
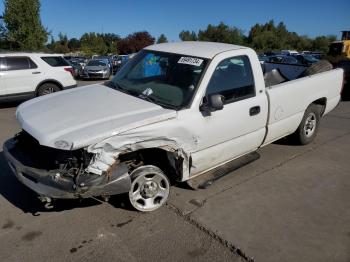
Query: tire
[47, 88]
[149, 189]
[308, 127]
[318, 67]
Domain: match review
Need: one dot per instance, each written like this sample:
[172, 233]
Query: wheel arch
[47, 81]
[322, 103]
[169, 162]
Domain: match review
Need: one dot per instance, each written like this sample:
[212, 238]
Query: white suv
[26, 75]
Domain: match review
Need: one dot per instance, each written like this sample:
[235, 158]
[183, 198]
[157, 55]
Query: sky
[306, 17]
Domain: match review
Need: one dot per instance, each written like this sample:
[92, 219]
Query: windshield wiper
[156, 101]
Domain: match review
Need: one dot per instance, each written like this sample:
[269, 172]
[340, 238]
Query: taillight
[70, 70]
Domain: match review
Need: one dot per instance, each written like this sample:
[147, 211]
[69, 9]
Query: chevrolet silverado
[172, 113]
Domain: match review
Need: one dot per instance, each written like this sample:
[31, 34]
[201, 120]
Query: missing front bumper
[52, 184]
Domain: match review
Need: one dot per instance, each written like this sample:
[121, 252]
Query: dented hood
[82, 116]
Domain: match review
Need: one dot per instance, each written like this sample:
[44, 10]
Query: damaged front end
[55, 173]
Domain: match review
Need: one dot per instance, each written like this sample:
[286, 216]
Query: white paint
[27, 80]
[86, 115]
[109, 122]
[197, 49]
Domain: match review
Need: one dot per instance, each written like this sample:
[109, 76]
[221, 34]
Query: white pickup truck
[173, 112]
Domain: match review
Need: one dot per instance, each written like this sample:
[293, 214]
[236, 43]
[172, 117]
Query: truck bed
[289, 100]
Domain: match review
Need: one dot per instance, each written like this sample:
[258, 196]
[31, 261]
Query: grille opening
[31, 153]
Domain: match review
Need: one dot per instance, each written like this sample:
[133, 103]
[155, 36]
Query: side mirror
[214, 102]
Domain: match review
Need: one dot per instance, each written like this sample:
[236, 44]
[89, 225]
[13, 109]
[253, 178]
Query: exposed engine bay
[56, 173]
[70, 163]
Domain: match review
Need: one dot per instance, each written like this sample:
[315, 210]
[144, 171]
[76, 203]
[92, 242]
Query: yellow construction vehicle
[341, 48]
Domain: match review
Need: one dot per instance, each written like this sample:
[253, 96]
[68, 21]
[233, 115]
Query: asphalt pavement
[293, 204]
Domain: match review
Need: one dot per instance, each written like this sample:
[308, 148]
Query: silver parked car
[96, 68]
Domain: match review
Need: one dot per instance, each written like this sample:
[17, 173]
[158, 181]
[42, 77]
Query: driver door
[239, 127]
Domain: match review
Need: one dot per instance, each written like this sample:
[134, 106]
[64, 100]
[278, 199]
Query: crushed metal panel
[175, 140]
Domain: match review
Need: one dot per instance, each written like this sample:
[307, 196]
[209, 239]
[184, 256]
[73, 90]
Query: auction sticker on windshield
[190, 61]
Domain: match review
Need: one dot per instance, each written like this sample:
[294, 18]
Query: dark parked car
[119, 61]
[306, 59]
[318, 55]
[77, 68]
[283, 59]
[263, 58]
[81, 60]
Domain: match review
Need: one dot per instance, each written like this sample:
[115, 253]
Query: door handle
[254, 110]
[36, 72]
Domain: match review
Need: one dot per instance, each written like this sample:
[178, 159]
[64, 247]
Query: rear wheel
[47, 88]
[149, 188]
[309, 125]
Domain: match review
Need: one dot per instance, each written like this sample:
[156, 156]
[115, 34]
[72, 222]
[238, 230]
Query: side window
[55, 61]
[32, 64]
[17, 63]
[233, 79]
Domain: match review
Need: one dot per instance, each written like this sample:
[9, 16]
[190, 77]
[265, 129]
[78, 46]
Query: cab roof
[194, 48]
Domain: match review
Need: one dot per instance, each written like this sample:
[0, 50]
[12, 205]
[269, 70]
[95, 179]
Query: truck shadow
[286, 141]
[23, 198]
[10, 104]
[346, 96]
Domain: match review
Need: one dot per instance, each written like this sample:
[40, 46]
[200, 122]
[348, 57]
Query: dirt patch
[30, 236]
[8, 224]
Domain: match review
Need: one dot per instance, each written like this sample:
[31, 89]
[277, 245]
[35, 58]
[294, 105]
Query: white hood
[86, 115]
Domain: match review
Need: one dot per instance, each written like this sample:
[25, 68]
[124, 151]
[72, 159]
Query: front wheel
[308, 127]
[149, 188]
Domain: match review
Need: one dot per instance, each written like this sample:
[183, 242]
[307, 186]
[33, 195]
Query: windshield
[121, 58]
[310, 58]
[169, 80]
[96, 63]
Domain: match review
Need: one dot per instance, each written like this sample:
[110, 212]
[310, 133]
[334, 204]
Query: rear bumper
[52, 184]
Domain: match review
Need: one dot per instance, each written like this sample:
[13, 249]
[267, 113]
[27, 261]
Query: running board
[207, 179]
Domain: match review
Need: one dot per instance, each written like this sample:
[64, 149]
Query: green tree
[321, 43]
[188, 36]
[162, 39]
[222, 33]
[92, 43]
[111, 40]
[61, 46]
[266, 37]
[304, 43]
[3, 36]
[23, 24]
[74, 44]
